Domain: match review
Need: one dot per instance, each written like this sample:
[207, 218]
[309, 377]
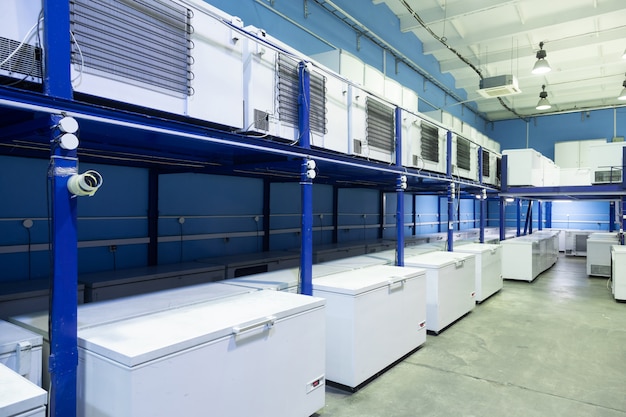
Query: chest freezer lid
[18, 394]
[618, 249]
[477, 248]
[252, 258]
[359, 281]
[125, 276]
[109, 311]
[142, 339]
[355, 262]
[11, 335]
[436, 259]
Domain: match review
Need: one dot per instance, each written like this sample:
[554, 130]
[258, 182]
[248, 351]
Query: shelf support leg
[306, 182]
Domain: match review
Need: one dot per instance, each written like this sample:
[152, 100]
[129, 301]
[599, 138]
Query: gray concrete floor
[553, 347]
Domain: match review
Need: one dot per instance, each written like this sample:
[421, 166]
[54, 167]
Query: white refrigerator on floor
[599, 253]
[488, 267]
[258, 354]
[20, 350]
[618, 264]
[374, 317]
[19, 397]
[450, 284]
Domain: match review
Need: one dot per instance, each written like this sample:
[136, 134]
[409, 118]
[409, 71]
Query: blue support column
[539, 215]
[400, 187]
[267, 186]
[622, 217]
[153, 216]
[612, 216]
[451, 191]
[502, 218]
[63, 298]
[335, 214]
[414, 209]
[438, 214]
[548, 214]
[306, 247]
[483, 199]
[518, 202]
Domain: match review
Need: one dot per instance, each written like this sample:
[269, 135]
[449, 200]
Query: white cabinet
[618, 264]
[488, 267]
[19, 397]
[525, 257]
[527, 167]
[374, 317]
[599, 253]
[237, 356]
[20, 350]
[450, 286]
[574, 153]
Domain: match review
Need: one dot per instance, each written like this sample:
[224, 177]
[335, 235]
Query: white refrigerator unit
[450, 286]
[260, 353]
[19, 397]
[599, 253]
[618, 264]
[521, 258]
[488, 267]
[20, 350]
[101, 286]
[111, 311]
[374, 317]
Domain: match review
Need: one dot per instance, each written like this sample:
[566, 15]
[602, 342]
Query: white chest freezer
[374, 317]
[488, 267]
[575, 242]
[334, 251]
[19, 397]
[101, 286]
[259, 353]
[599, 253]
[287, 280]
[20, 350]
[618, 265]
[27, 296]
[104, 312]
[450, 286]
[254, 263]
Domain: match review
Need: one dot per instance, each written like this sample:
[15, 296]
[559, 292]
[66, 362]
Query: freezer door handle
[23, 350]
[459, 263]
[267, 322]
[396, 282]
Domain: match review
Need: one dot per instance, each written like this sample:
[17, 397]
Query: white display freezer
[254, 263]
[599, 253]
[356, 262]
[27, 296]
[450, 284]
[374, 317]
[488, 267]
[575, 242]
[19, 397]
[106, 285]
[525, 257]
[618, 265]
[20, 350]
[110, 311]
[257, 354]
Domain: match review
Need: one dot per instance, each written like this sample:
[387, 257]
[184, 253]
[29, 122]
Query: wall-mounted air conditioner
[464, 158]
[491, 167]
[19, 24]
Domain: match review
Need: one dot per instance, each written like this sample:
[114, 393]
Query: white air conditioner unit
[501, 85]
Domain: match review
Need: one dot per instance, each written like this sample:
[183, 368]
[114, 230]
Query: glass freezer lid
[359, 281]
[143, 339]
[10, 335]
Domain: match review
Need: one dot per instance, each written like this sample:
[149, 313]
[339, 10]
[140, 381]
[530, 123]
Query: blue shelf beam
[400, 187]
[451, 192]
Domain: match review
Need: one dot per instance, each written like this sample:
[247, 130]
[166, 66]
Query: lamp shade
[541, 67]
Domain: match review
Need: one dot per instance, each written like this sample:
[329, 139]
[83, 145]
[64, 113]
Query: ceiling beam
[431, 45]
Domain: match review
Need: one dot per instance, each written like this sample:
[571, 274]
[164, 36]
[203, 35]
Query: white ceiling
[584, 41]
